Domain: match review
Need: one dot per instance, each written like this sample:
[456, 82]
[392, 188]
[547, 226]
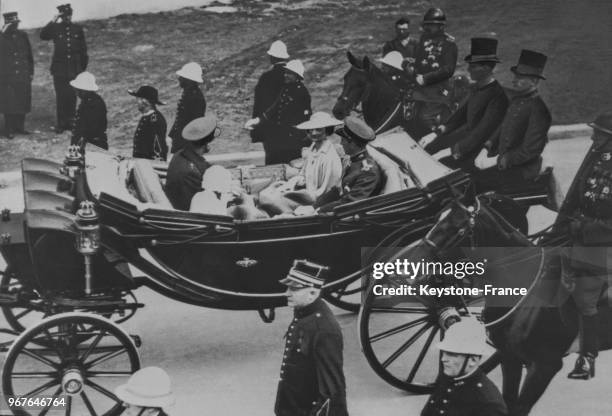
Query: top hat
[278, 49]
[319, 120]
[530, 63]
[65, 8]
[357, 129]
[305, 273]
[483, 50]
[199, 128]
[147, 92]
[11, 17]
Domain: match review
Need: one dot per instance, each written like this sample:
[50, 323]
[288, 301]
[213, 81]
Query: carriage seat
[540, 190]
[147, 185]
[395, 179]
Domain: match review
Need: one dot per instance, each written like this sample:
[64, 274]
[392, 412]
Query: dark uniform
[184, 178]
[472, 125]
[291, 107]
[471, 395]
[90, 122]
[311, 374]
[190, 106]
[362, 179]
[69, 59]
[519, 142]
[16, 72]
[150, 137]
[267, 90]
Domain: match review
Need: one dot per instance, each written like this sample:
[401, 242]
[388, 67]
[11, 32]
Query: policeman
[150, 135]
[69, 59]
[588, 205]
[291, 107]
[467, 130]
[435, 62]
[147, 393]
[363, 177]
[403, 42]
[16, 73]
[188, 165]
[513, 152]
[311, 376]
[90, 122]
[191, 105]
[269, 87]
[463, 389]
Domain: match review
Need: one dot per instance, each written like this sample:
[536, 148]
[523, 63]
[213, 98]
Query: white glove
[484, 162]
[420, 80]
[252, 123]
[425, 140]
[305, 210]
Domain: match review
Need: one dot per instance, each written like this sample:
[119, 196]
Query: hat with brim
[393, 59]
[199, 128]
[603, 122]
[319, 120]
[305, 274]
[483, 50]
[278, 49]
[357, 129]
[530, 63]
[296, 66]
[85, 81]
[11, 17]
[191, 71]
[468, 336]
[148, 93]
[124, 394]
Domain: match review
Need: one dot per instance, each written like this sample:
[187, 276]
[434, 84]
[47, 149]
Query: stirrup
[584, 368]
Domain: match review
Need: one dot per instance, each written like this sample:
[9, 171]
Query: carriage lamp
[88, 237]
[73, 162]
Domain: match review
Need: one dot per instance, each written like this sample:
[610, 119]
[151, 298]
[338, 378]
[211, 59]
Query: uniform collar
[359, 156]
[488, 85]
[476, 373]
[148, 113]
[524, 95]
[190, 154]
[308, 310]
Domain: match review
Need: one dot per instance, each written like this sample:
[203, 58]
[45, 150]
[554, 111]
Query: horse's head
[354, 88]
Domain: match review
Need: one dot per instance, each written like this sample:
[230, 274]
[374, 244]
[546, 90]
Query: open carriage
[97, 228]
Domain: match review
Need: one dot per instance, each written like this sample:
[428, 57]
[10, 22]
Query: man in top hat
[514, 150]
[435, 61]
[150, 135]
[90, 122]
[467, 130]
[147, 393]
[269, 87]
[291, 107]
[363, 177]
[69, 59]
[403, 42]
[311, 377]
[188, 165]
[191, 105]
[16, 73]
[463, 389]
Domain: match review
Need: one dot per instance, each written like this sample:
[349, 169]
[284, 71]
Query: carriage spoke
[34, 374]
[88, 404]
[43, 360]
[48, 406]
[68, 406]
[422, 354]
[402, 309]
[102, 390]
[397, 329]
[405, 346]
[104, 358]
[108, 373]
[40, 388]
[24, 313]
[94, 343]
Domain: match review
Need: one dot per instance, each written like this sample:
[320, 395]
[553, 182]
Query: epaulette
[449, 37]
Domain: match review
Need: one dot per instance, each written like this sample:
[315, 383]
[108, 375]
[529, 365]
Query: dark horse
[535, 330]
[383, 105]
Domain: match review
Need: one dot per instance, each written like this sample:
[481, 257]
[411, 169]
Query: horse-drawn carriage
[98, 227]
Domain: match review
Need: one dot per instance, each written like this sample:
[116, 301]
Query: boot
[584, 368]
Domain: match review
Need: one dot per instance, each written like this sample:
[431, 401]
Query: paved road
[225, 362]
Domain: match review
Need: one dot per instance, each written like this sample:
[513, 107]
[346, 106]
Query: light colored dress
[322, 169]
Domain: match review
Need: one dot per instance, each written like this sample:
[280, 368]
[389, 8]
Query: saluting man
[16, 73]
[150, 135]
[311, 377]
[90, 122]
[69, 59]
[191, 105]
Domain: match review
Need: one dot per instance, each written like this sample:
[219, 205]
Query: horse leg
[512, 370]
[539, 375]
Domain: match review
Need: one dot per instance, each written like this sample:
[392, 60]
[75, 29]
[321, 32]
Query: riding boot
[584, 368]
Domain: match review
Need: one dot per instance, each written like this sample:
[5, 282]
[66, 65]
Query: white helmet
[295, 65]
[393, 59]
[85, 81]
[468, 336]
[278, 49]
[217, 178]
[191, 71]
[147, 387]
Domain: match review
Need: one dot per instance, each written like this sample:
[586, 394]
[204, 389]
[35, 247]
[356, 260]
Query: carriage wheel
[19, 318]
[347, 297]
[398, 336]
[80, 358]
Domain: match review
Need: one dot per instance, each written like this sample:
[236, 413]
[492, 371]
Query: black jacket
[267, 90]
[16, 72]
[90, 121]
[396, 44]
[435, 59]
[150, 137]
[311, 373]
[184, 177]
[190, 106]
[70, 52]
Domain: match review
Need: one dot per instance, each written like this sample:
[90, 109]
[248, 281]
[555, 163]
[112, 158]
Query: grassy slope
[130, 50]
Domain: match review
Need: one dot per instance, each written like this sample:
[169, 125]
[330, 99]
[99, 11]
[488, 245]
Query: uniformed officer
[403, 42]
[150, 135]
[191, 105]
[435, 62]
[588, 206]
[467, 130]
[291, 107]
[463, 389]
[148, 392]
[188, 165]
[269, 87]
[363, 177]
[69, 59]
[90, 122]
[311, 377]
[514, 151]
[16, 73]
